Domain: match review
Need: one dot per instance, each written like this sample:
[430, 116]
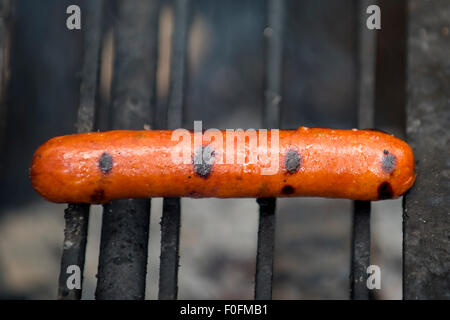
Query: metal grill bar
[171, 217]
[77, 216]
[170, 240]
[125, 230]
[271, 119]
[123, 250]
[365, 90]
[175, 108]
[266, 242]
[274, 51]
[426, 218]
[360, 250]
[366, 44]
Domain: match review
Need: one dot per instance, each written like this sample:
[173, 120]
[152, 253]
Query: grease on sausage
[102, 166]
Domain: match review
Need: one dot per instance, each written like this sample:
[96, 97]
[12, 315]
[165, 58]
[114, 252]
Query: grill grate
[365, 57]
[122, 269]
[271, 119]
[171, 216]
[125, 228]
[77, 216]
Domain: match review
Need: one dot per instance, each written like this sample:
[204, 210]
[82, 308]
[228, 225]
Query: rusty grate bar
[171, 217]
[271, 119]
[426, 218]
[365, 41]
[125, 230]
[77, 216]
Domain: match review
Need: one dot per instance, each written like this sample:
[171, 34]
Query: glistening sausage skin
[102, 166]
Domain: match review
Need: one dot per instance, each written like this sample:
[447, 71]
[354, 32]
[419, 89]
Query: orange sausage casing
[102, 166]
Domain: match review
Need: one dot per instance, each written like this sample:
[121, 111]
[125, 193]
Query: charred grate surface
[426, 218]
[266, 243]
[360, 246]
[77, 216]
[123, 250]
[75, 238]
[171, 216]
[170, 240]
[124, 241]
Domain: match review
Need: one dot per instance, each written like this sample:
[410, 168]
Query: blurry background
[224, 89]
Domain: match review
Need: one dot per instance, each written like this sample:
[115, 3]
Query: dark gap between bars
[171, 216]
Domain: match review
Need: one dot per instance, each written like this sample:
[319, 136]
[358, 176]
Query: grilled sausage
[102, 166]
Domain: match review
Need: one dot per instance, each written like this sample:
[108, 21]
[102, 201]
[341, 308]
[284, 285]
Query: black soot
[293, 161]
[385, 191]
[203, 161]
[98, 196]
[288, 190]
[105, 163]
[388, 162]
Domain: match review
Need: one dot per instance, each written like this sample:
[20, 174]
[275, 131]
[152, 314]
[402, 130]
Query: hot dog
[102, 166]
